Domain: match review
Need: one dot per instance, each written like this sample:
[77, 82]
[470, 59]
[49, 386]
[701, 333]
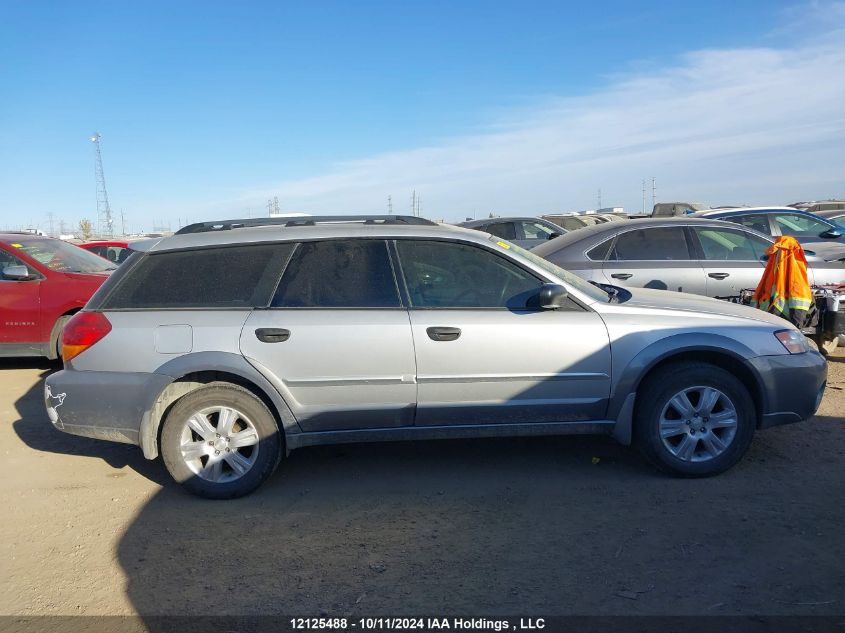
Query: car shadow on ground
[34, 429]
[566, 525]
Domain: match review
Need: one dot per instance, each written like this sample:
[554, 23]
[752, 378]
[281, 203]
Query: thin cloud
[740, 125]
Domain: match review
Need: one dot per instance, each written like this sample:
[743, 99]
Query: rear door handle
[622, 275]
[443, 333]
[718, 275]
[272, 334]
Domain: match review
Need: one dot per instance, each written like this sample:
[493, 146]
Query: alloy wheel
[698, 424]
[219, 444]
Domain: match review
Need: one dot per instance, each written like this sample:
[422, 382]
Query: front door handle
[719, 275]
[621, 275]
[272, 334]
[443, 333]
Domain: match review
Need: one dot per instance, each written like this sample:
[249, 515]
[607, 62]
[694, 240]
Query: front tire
[694, 419]
[220, 442]
[827, 346]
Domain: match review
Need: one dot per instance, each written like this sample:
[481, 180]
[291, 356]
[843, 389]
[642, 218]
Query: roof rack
[309, 220]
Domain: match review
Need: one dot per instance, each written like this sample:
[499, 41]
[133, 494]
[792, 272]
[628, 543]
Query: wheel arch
[720, 351]
[193, 371]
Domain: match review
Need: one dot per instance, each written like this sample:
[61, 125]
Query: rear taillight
[82, 331]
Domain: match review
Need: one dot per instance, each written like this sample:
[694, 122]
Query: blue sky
[208, 108]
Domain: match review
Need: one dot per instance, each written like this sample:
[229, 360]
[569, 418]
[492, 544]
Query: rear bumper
[793, 386]
[101, 404]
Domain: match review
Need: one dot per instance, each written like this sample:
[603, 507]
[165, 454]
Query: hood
[684, 302]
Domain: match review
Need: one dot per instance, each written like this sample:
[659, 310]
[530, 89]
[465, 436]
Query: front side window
[7, 259]
[537, 231]
[338, 274]
[660, 243]
[799, 225]
[227, 277]
[727, 245]
[63, 257]
[452, 275]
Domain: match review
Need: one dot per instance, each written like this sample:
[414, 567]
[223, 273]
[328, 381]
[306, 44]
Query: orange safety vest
[784, 286]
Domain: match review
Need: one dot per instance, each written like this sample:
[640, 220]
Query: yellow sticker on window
[18, 245]
[503, 244]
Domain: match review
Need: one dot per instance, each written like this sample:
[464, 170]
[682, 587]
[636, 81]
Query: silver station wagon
[230, 344]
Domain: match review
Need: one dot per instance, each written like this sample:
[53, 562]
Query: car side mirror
[16, 273]
[552, 296]
[831, 233]
[553, 235]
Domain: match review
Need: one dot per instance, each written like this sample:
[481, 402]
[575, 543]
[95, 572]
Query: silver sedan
[705, 257]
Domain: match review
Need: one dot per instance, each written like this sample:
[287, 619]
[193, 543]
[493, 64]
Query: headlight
[793, 341]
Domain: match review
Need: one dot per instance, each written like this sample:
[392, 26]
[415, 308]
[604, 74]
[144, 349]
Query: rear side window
[660, 243]
[230, 277]
[757, 221]
[505, 230]
[339, 274]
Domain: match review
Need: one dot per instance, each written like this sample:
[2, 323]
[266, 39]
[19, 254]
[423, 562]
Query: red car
[114, 251]
[43, 281]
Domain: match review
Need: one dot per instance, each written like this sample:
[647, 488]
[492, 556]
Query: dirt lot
[540, 526]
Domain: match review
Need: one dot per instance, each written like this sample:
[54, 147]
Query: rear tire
[56, 337]
[220, 441]
[694, 419]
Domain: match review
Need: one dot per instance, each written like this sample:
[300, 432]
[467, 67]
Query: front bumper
[105, 405]
[793, 386]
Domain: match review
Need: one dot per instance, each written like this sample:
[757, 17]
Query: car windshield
[63, 257]
[579, 284]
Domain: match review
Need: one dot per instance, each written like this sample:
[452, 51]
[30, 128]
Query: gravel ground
[538, 526]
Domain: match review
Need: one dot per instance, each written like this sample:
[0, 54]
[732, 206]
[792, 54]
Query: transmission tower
[104, 219]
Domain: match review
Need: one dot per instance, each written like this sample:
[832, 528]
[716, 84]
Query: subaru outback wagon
[230, 344]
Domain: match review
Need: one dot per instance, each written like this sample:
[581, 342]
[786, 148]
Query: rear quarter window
[223, 277]
[599, 253]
